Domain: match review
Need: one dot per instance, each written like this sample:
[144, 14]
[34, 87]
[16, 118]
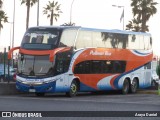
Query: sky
[85, 13]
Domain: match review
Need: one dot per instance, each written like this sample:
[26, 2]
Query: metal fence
[7, 67]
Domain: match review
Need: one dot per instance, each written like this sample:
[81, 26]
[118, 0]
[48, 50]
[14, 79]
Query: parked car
[5, 77]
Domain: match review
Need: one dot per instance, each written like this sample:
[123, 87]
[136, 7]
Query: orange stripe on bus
[112, 81]
[52, 53]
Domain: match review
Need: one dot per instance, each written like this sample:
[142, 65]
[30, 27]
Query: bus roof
[55, 27]
[94, 29]
[116, 31]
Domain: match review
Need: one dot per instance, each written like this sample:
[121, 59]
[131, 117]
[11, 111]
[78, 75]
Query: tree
[158, 70]
[28, 3]
[68, 24]
[1, 2]
[134, 25]
[52, 10]
[142, 11]
[3, 18]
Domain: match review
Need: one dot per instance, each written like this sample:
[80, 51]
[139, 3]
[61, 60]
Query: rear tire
[125, 88]
[73, 89]
[134, 86]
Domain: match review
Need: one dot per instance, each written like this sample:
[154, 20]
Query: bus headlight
[33, 83]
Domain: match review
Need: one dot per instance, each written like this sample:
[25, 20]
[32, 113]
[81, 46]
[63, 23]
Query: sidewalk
[8, 88]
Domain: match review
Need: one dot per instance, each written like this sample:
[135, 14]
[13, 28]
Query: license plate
[32, 90]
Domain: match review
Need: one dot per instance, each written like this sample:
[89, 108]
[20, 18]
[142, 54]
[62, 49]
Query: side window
[84, 39]
[59, 67]
[100, 67]
[118, 66]
[98, 40]
[68, 38]
[141, 42]
[83, 68]
[79, 68]
[122, 41]
[133, 42]
[62, 62]
[96, 67]
[147, 42]
[150, 42]
[109, 39]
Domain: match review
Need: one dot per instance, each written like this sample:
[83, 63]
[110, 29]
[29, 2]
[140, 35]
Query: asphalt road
[83, 102]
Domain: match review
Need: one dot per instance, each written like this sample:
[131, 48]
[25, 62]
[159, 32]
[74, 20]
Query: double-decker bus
[72, 59]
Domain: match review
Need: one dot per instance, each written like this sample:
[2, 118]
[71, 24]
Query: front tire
[125, 88]
[73, 89]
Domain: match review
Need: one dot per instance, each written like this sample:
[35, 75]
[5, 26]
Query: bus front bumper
[43, 88]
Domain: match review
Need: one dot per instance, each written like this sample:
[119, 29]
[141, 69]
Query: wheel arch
[129, 80]
[77, 81]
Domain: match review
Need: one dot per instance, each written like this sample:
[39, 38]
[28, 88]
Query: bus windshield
[34, 65]
[42, 39]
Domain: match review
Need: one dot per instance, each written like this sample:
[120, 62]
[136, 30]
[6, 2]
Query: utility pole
[37, 12]
[122, 13]
[13, 24]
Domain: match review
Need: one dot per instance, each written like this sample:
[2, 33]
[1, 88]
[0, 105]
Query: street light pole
[37, 12]
[71, 12]
[13, 24]
[13, 30]
[122, 12]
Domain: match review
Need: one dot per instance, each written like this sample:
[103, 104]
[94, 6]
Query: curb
[148, 92]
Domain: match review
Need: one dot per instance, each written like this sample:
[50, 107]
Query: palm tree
[134, 25]
[29, 3]
[3, 18]
[68, 24]
[52, 10]
[1, 3]
[143, 10]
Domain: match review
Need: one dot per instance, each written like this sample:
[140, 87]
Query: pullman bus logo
[106, 53]
[6, 114]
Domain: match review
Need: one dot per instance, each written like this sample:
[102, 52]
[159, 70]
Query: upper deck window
[68, 38]
[36, 38]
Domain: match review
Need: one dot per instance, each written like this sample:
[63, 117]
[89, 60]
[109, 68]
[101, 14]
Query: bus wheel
[73, 89]
[134, 86]
[40, 94]
[125, 88]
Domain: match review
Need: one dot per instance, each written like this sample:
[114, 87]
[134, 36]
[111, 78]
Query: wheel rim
[73, 88]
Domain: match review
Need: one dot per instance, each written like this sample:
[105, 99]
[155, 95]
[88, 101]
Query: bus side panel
[140, 73]
[63, 84]
[134, 68]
